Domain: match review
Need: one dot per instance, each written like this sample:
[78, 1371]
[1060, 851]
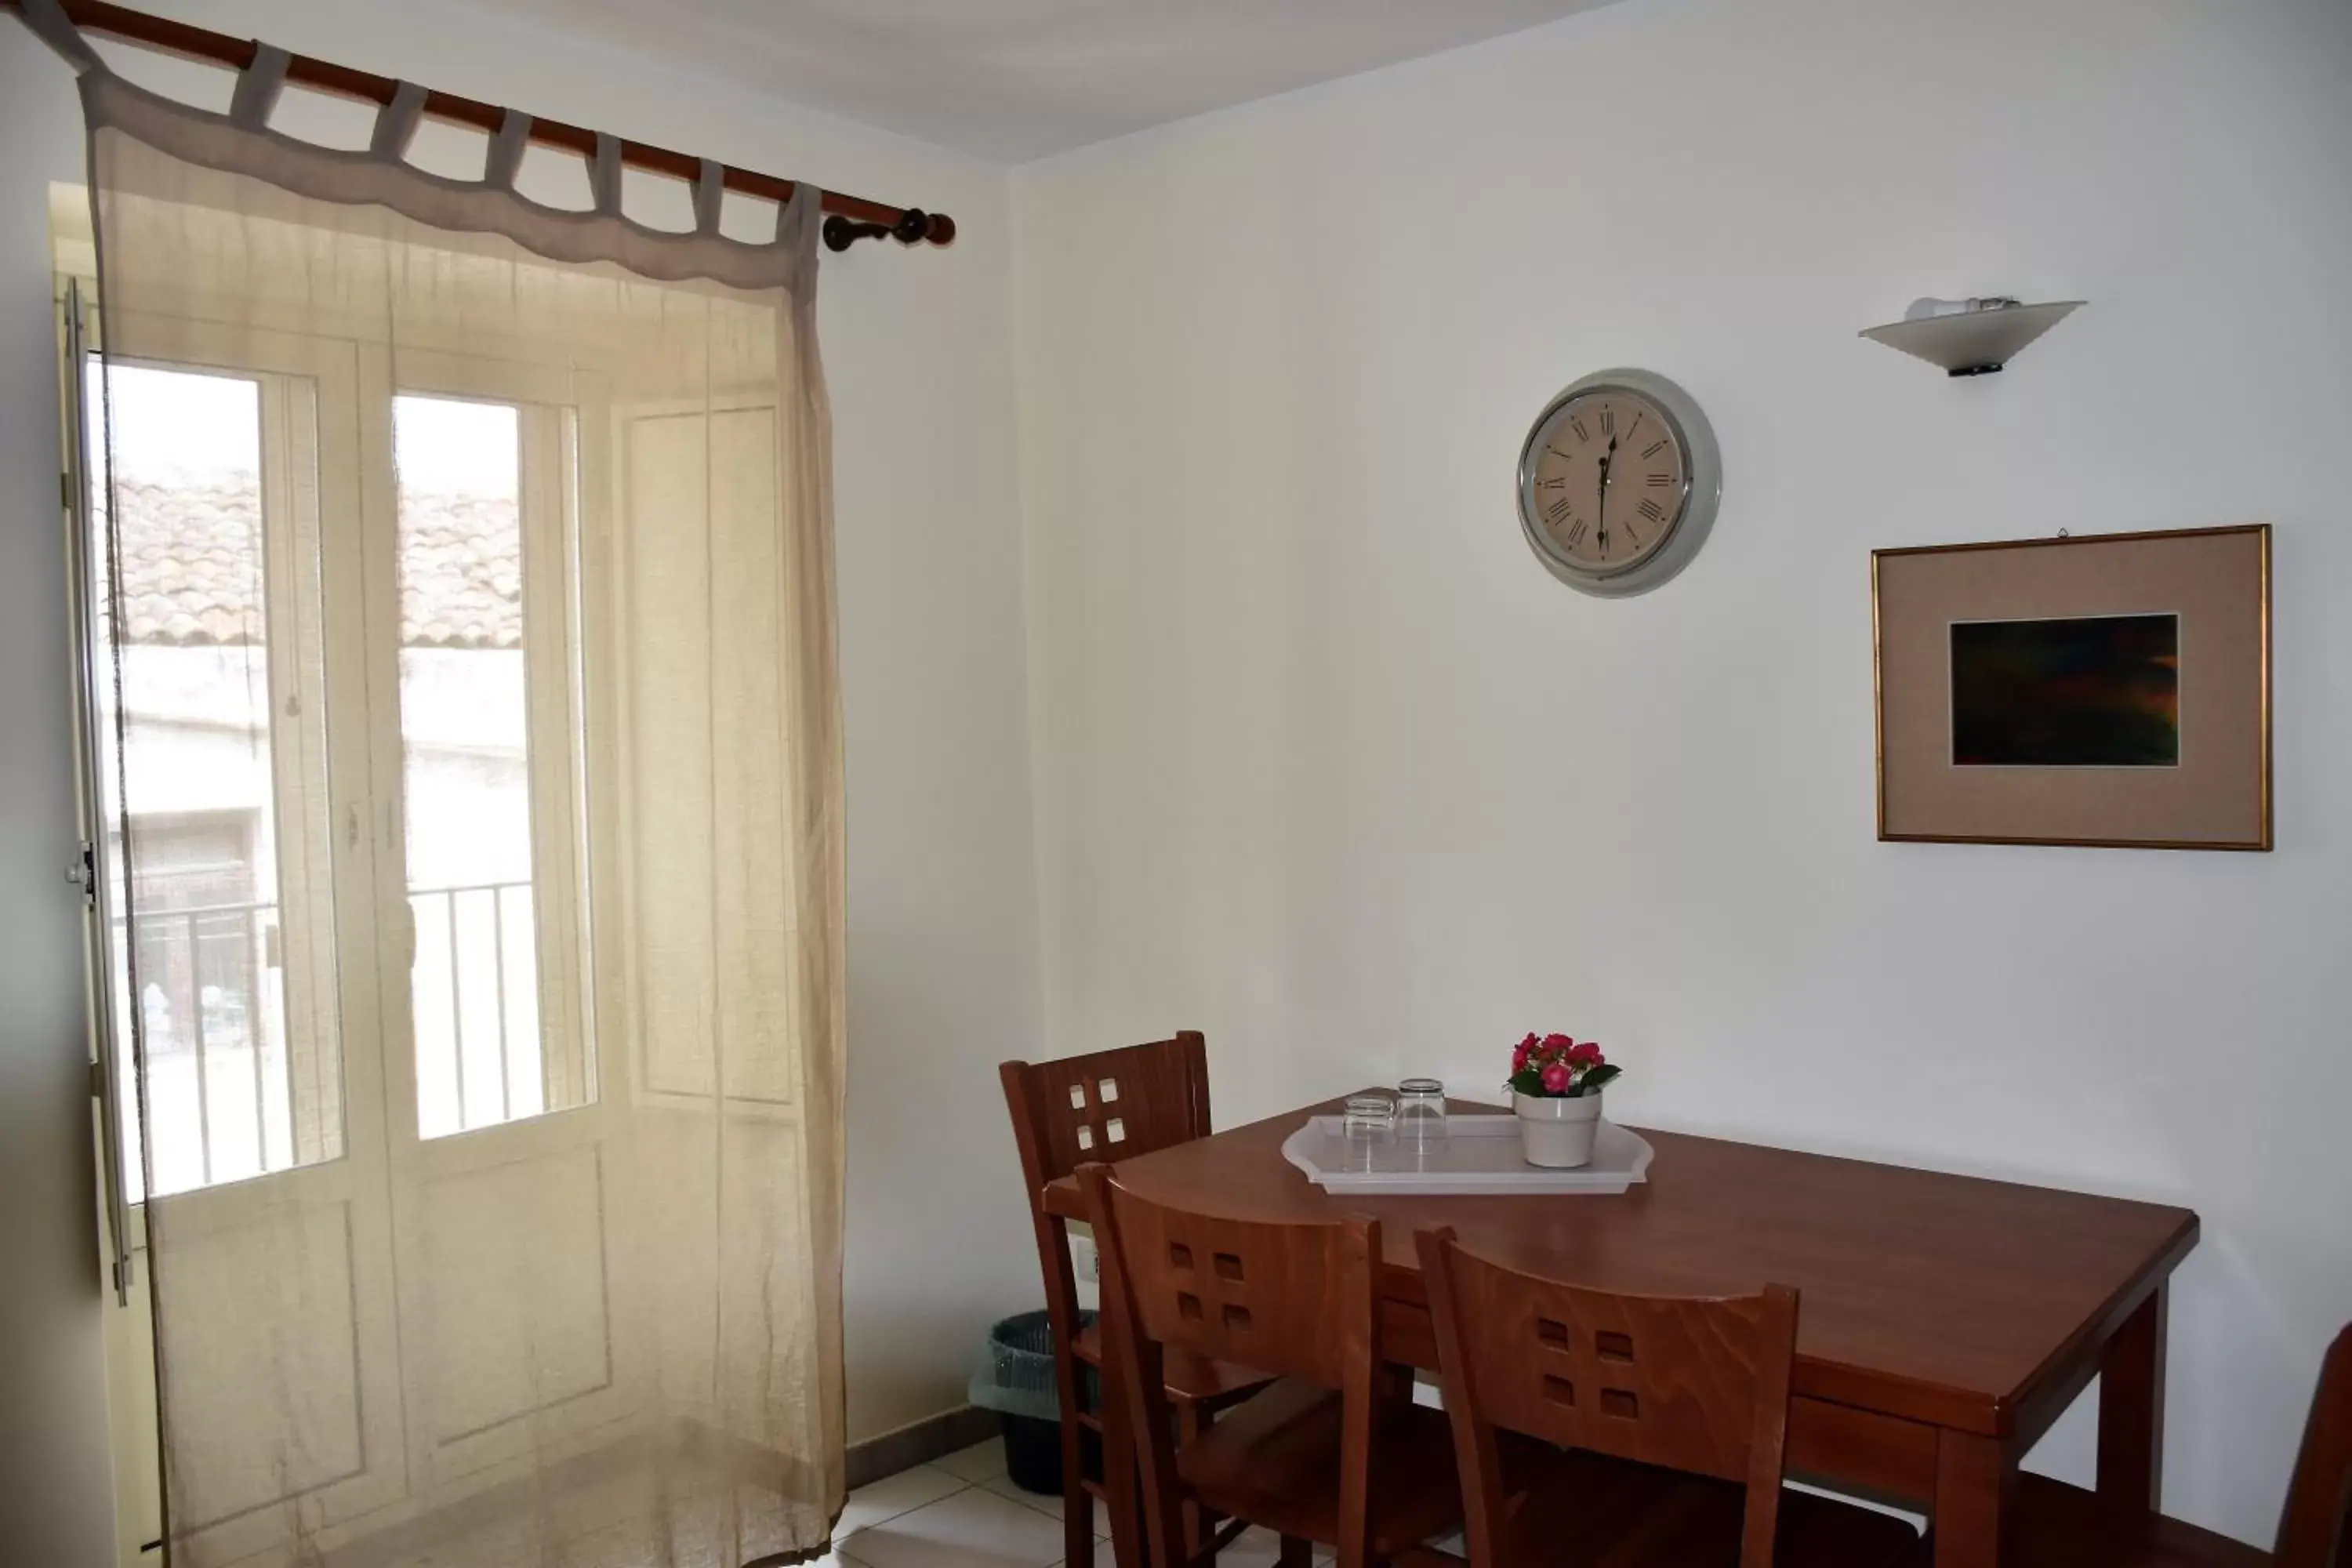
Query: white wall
[1328, 765]
[942, 902]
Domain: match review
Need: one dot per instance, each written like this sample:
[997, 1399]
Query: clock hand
[1606, 458]
[1601, 536]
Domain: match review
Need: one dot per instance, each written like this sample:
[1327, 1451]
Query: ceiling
[1016, 80]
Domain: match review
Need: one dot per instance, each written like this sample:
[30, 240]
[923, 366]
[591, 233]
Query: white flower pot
[1558, 1133]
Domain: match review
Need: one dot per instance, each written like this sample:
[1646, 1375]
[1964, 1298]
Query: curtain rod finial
[913, 226]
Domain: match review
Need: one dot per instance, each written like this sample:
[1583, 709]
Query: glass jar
[1420, 1109]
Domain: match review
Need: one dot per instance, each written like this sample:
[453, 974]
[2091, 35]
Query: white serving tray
[1479, 1156]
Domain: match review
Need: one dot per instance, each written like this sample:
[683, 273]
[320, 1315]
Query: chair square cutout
[1611, 1345]
[1086, 1136]
[1228, 1266]
[1179, 1255]
[1621, 1402]
[1237, 1319]
[1559, 1391]
[1116, 1129]
[1553, 1331]
[1106, 1090]
[1077, 1097]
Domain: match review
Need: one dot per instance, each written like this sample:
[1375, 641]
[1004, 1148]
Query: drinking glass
[1420, 1109]
[1369, 1118]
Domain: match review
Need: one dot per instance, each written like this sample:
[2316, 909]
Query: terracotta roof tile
[192, 563]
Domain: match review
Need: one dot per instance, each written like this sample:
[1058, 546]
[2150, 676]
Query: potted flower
[1555, 1084]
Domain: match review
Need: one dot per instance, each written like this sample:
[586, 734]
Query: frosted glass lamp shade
[1974, 337]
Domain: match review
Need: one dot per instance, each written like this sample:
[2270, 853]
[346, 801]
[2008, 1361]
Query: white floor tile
[891, 1495]
[973, 1529]
[1047, 1503]
[981, 1462]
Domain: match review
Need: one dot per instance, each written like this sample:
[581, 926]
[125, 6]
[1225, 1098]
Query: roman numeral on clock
[1582, 433]
[1558, 510]
[1652, 450]
[1576, 534]
[1657, 481]
[1650, 510]
[1608, 422]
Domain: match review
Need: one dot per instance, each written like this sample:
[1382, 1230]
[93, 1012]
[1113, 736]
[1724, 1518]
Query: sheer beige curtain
[476, 849]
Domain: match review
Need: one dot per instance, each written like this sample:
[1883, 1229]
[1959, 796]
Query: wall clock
[1618, 482]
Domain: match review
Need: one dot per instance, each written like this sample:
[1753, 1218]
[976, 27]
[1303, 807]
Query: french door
[352, 915]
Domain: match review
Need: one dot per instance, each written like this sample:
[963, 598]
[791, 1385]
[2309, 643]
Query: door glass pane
[220, 760]
[490, 1045]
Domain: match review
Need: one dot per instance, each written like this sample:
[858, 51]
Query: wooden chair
[2061, 1526]
[1336, 1452]
[1107, 1106]
[1593, 1428]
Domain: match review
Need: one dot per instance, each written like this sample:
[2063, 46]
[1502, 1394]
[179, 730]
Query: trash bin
[1015, 1379]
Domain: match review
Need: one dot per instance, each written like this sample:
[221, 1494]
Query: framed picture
[2112, 691]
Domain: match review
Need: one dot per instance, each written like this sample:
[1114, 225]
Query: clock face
[1619, 483]
[1610, 481]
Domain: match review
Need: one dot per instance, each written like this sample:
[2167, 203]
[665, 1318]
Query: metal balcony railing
[220, 1093]
[474, 1009]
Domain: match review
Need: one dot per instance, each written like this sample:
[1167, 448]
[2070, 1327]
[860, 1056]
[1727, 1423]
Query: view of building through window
[227, 709]
[465, 728]
[198, 762]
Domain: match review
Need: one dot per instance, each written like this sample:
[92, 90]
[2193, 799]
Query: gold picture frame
[2105, 690]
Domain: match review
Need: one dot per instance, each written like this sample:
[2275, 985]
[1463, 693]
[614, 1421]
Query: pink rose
[1585, 1052]
[1555, 1078]
[1527, 1048]
[1557, 1042]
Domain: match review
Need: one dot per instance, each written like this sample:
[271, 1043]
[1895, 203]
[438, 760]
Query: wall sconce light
[1970, 337]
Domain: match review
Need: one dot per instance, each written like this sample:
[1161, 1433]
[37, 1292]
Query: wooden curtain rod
[850, 219]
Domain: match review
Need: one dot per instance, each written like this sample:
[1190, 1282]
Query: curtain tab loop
[604, 175]
[709, 190]
[798, 220]
[395, 124]
[50, 23]
[507, 149]
[505, 161]
[258, 86]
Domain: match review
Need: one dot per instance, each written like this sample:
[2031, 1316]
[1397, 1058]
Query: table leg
[1976, 1480]
[2131, 1410]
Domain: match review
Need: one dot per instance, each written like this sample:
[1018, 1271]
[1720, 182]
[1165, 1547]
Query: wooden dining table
[1945, 1322]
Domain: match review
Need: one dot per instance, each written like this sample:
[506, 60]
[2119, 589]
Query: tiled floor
[963, 1511]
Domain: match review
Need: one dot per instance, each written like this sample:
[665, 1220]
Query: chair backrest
[1699, 1386]
[1292, 1299]
[1106, 1105]
[2316, 1530]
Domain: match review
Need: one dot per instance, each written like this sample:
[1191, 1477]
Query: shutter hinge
[83, 872]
